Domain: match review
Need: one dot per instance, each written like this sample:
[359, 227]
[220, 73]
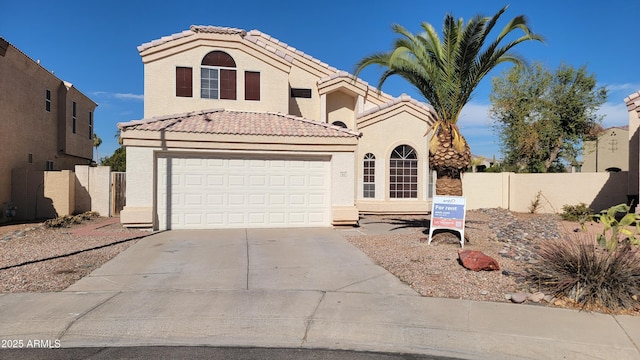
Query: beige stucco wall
[59, 188]
[611, 150]
[341, 107]
[140, 187]
[516, 192]
[41, 194]
[26, 127]
[380, 137]
[93, 188]
[160, 82]
[486, 190]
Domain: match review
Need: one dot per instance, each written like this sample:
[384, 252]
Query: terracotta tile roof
[265, 41]
[402, 98]
[220, 121]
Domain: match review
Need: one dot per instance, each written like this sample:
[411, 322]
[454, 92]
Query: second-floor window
[47, 101]
[218, 76]
[90, 125]
[73, 118]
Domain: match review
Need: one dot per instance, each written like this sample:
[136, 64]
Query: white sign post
[448, 212]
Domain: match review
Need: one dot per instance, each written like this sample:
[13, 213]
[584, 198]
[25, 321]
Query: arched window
[403, 173]
[369, 176]
[218, 76]
[340, 124]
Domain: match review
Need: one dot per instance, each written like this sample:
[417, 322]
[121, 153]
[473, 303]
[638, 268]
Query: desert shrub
[581, 270]
[536, 203]
[66, 220]
[581, 213]
[617, 220]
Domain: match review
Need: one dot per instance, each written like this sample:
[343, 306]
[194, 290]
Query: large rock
[476, 260]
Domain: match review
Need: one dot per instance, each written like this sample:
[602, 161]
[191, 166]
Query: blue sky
[93, 44]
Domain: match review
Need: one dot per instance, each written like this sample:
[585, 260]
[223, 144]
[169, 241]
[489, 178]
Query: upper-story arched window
[218, 76]
[340, 124]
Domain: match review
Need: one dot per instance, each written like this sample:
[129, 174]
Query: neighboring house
[45, 123]
[633, 106]
[243, 130]
[608, 152]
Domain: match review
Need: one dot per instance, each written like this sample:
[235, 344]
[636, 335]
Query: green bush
[617, 226]
[581, 213]
[590, 275]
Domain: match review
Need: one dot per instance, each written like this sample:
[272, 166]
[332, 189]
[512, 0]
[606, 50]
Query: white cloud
[119, 96]
[626, 88]
[475, 115]
[615, 114]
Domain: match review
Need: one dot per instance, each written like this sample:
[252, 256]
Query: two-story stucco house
[45, 123]
[243, 130]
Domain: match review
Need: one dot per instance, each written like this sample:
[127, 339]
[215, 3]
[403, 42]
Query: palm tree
[446, 72]
[96, 142]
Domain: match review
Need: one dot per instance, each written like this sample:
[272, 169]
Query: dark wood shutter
[184, 82]
[227, 84]
[251, 85]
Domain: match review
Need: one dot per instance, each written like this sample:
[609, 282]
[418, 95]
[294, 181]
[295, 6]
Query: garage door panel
[219, 193]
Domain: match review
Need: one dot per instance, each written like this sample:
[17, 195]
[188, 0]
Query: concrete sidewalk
[306, 288]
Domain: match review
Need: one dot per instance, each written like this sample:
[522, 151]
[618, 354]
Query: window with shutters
[218, 76]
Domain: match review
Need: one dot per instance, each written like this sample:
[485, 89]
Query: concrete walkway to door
[294, 288]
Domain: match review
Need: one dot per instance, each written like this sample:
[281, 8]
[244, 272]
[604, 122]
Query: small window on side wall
[301, 93]
[369, 176]
[252, 85]
[184, 81]
[47, 103]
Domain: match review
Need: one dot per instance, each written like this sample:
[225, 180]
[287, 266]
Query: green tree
[542, 117]
[117, 161]
[96, 143]
[446, 72]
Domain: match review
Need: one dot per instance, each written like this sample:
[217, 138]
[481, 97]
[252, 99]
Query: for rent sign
[448, 212]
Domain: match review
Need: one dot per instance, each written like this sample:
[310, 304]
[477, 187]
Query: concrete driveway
[293, 288]
[243, 259]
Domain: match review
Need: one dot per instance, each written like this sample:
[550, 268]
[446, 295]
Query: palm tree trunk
[449, 186]
[449, 164]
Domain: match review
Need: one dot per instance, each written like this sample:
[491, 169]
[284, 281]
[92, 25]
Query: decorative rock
[519, 298]
[484, 292]
[536, 297]
[476, 260]
[548, 298]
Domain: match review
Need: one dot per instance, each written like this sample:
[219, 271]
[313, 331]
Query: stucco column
[323, 108]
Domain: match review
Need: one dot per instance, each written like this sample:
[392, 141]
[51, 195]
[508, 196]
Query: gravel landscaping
[35, 258]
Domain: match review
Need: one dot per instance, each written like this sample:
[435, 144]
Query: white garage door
[212, 193]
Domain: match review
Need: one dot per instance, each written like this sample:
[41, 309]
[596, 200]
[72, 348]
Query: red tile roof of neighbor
[220, 121]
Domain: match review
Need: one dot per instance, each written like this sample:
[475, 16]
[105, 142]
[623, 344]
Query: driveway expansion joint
[66, 329]
[311, 317]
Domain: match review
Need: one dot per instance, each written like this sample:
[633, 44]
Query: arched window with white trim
[403, 173]
[218, 76]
